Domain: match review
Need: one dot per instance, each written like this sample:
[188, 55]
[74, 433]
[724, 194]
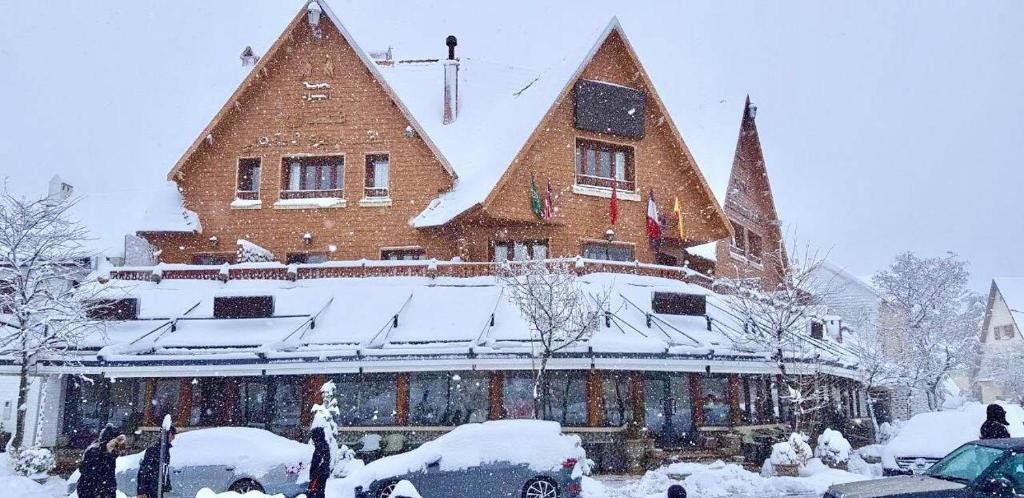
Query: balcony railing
[310, 194]
[376, 192]
[248, 195]
[605, 182]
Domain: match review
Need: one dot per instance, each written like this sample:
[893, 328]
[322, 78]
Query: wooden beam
[147, 409]
[697, 398]
[637, 391]
[402, 399]
[733, 393]
[310, 395]
[497, 398]
[595, 399]
[184, 403]
[229, 385]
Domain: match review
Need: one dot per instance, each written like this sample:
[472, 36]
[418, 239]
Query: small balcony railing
[605, 182]
[248, 195]
[376, 192]
[310, 194]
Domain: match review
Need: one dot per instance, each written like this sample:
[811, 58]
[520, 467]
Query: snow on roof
[167, 213]
[706, 251]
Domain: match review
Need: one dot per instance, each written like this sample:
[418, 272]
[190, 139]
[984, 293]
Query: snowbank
[539, 444]
[23, 487]
[207, 493]
[935, 434]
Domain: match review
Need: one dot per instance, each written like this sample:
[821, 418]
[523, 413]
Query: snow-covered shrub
[887, 431]
[832, 448]
[252, 253]
[343, 459]
[795, 451]
[33, 461]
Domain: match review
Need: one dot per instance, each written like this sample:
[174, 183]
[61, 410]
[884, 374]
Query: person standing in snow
[320, 466]
[995, 423]
[99, 462]
[149, 469]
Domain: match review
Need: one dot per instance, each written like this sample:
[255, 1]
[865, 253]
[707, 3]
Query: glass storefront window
[165, 398]
[448, 398]
[565, 399]
[669, 416]
[366, 399]
[252, 399]
[617, 398]
[517, 395]
[715, 390]
[287, 402]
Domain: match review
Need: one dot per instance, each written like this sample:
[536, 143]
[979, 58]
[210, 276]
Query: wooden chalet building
[387, 192]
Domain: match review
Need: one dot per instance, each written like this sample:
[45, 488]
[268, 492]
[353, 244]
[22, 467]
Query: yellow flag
[679, 217]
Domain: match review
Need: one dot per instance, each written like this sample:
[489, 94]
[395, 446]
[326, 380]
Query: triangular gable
[614, 27]
[997, 294]
[750, 151]
[260, 66]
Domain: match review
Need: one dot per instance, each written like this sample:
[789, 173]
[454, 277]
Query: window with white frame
[306, 177]
[519, 250]
[378, 170]
[602, 164]
[248, 178]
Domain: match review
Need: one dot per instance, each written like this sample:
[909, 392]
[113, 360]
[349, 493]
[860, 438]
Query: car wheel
[540, 488]
[243, 486]
[384, 491]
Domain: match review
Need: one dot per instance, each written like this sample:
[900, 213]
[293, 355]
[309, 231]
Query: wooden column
[147, 408]
[639, 407]
[184, 403]
[230, 399]
[310, 396]
[697, 397]
[595, 398]
[735, 416]
[402, 399]
[763, 400]
[497, 395]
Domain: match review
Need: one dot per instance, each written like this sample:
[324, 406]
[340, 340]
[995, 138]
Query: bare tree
[43, 309]
[933, 318]
[560, 312]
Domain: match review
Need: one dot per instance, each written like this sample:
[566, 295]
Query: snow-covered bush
[832, 448]
[252, 253]
[887, 431]
[32, 461]
[795, 451]
[343, 459]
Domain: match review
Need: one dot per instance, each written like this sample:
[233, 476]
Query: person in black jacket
[676, 491]
[149, 469]
[320, 466]
[995, 424]
[97, 479]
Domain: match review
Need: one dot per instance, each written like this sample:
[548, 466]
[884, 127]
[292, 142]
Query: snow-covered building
[1001, 343]
[344, 215]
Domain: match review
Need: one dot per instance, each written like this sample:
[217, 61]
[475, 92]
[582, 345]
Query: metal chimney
[451, 82]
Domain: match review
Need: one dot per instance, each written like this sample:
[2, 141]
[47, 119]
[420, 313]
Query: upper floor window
[306, 177]
[601, 164]
[378, 168]
[608, 251]
[248, 179]
[746, 242]
[403, 253]
[1003, 332]
[520, 250]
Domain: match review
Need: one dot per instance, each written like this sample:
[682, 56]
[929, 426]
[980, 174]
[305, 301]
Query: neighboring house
[1002, 347]
[336, 164]
[756, 248]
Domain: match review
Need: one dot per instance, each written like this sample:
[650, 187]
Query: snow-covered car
[507, 458]
[991, 468]
[237, 459]
[927, 437]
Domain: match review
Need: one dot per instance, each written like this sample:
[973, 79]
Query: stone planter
[787, 470]
[636, 452]
[729, 445]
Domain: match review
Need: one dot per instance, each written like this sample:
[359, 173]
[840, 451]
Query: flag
[549, 204]
[653, 228]
[613, 208]
[679, 217]
[535, 197]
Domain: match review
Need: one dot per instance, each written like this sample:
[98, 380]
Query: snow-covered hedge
[795, 451]
[832, 448]
[252, 253]
[33, 462]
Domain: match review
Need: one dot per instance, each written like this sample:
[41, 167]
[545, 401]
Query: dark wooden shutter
[675, 303]
[243, 307]
[608, 108]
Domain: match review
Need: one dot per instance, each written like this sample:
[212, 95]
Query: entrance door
[667, 401]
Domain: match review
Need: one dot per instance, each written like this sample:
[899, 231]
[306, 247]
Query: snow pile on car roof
[251, 451]
[538, 444]
[935, 434]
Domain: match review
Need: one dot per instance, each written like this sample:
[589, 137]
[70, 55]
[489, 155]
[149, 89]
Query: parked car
[508, 458]
[992, 468]
[239, 459]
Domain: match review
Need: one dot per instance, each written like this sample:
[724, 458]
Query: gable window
[403, 253]
[1003, 332]
[243, 307]
[213, 258]
[519, 250]
[298, 258]
[608, 251]
[746, 243]
[739, 237]
[753, 246]
[601, 164]
[306, 177]
[113, 309]
[248, 179]
[378, 168]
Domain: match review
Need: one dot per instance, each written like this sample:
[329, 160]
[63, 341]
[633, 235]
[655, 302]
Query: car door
[187, 481]
[1011, 469]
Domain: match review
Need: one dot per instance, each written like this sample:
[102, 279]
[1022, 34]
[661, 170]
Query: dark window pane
[366, 400]
[675, 303]
[517, 395]
[716, 400]
[113, 309]
[287, 402]
[243, 307]
[617, 393]
[565, 399]
[445, 399]
[249, 175]
[669, 414]
[165, 398]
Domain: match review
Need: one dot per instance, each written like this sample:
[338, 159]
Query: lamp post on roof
[609, 235]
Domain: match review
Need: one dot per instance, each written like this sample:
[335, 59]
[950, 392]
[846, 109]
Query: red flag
[549, 204]
[653, 227]
[613, 209]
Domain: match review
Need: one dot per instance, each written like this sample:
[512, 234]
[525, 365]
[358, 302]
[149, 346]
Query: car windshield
[965, 463]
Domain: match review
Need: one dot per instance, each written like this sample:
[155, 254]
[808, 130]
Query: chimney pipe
[451, 82]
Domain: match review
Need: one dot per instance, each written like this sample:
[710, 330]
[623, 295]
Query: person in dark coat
[149, 469]
[97, 479]
[995, 424]
[676, 491]
[320, 466]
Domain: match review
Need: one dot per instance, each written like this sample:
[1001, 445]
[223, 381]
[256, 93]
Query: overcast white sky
[887, 126]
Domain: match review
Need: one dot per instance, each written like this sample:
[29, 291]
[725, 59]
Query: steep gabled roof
[749, 152]
[1011, 289]
[261, 65]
